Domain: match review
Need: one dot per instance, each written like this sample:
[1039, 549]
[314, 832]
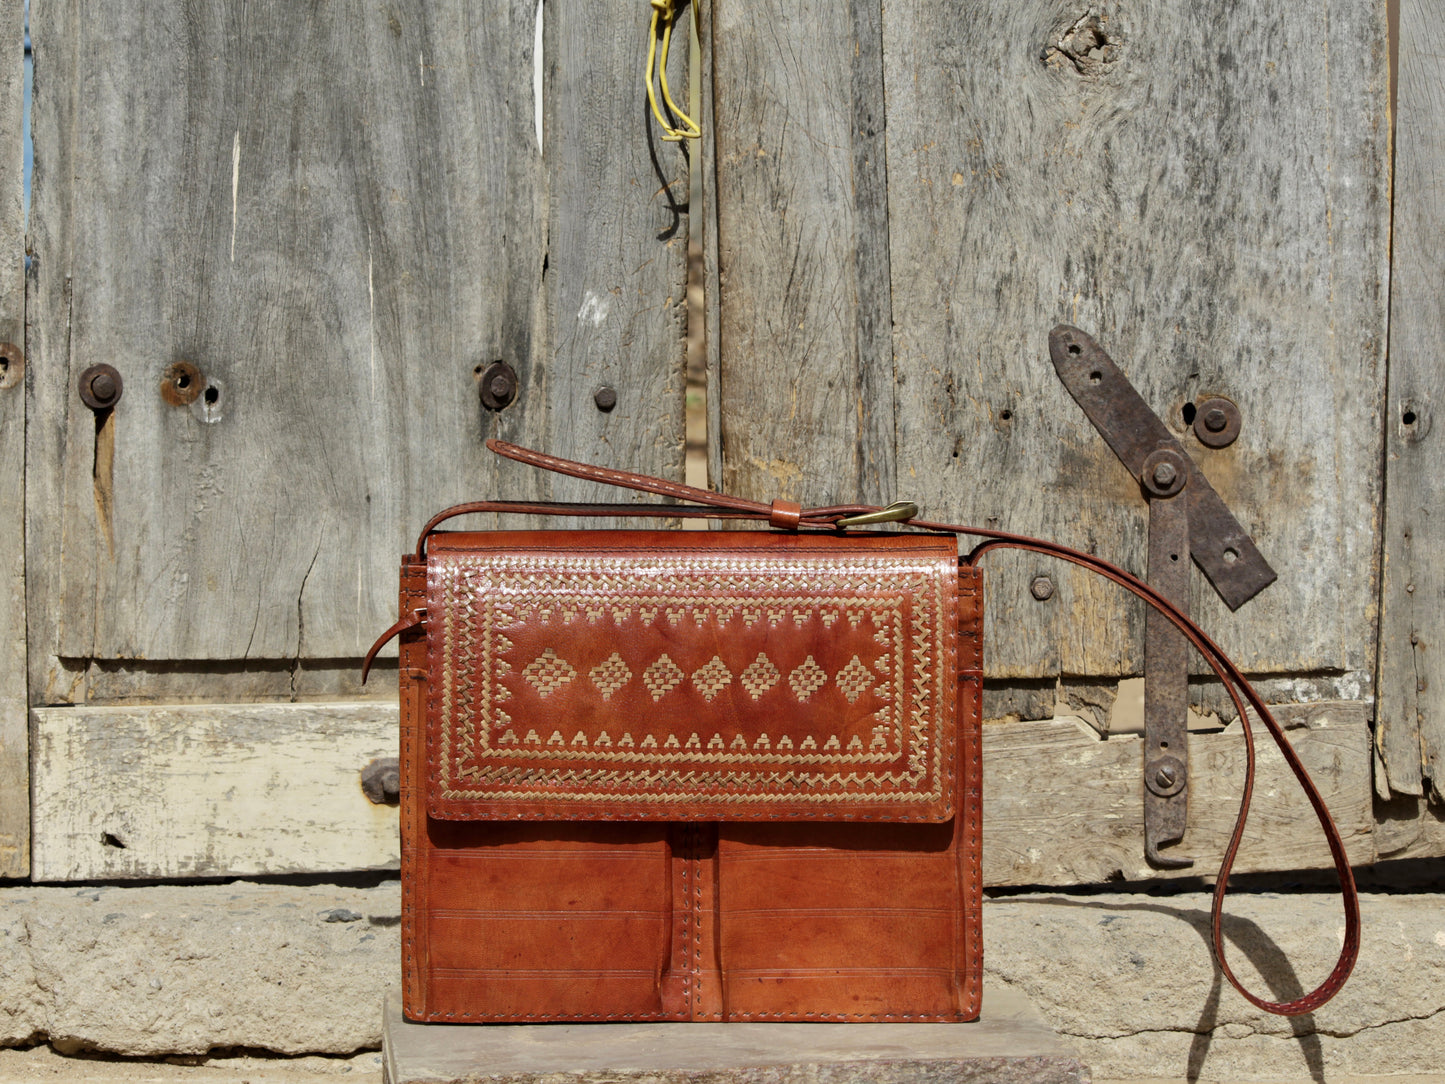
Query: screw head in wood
[605, 397]
[1042, 588]
[1165, 776]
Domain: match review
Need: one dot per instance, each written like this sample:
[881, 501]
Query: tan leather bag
[653, 775]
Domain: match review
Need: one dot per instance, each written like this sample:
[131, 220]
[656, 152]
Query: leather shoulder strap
[784, 514]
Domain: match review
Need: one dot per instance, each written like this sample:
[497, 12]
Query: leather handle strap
[707, 504]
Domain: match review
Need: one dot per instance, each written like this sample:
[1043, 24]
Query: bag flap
[605, 675]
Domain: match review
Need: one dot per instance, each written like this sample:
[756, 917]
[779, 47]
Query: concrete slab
[1009, 1043]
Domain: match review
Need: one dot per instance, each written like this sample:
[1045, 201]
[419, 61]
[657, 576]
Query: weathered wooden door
[301, 233]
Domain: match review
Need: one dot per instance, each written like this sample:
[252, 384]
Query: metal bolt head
[100, 387]
[498, 384]
[605, 397]
[1042, 588]
[1216, 422]
[1165, 777]
[1164, 472]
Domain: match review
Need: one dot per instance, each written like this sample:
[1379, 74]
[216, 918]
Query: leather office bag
[662, 775]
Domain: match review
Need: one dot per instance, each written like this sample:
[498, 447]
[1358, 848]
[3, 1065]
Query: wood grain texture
[1062, 807]
[222, 790]
[1410, 736]
[1215, 212]
[14, 743]
[806, 373]
[346, 213]
[616, 275]
[210, 790]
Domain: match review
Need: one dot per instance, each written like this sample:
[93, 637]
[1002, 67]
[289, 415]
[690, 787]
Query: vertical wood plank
[806, 378]
[1410, 732]
[14, 743]
[346, 216]
[1216, 216]
[616, 272]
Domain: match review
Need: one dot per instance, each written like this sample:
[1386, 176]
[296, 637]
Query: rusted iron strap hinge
[1187, 520]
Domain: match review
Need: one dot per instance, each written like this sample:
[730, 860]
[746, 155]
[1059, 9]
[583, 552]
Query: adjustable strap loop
[785, 515]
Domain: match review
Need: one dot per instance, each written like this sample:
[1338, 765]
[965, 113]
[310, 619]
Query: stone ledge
[1126, 980]
[1009, 1043]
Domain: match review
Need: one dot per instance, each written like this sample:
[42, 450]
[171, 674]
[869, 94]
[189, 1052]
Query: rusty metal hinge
[1187, 519]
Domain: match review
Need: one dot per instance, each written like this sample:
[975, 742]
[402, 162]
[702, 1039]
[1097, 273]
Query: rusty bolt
[498, 385]
[1042, 588]
[1165, 777]
[605, 397]
[1164, 472]
[1217, 422]
[100, 387]
[381, 781]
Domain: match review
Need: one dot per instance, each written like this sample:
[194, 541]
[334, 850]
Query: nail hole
[212, 394]
[1005, 415]
[1408, 417]
[1075, 349]
[1174, 557]
[1189, 413]
[183, 381]
[1230, 556]
[1095, 377]
[1163, 745]
[478, 370]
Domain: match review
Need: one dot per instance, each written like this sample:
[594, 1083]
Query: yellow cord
[686, 128]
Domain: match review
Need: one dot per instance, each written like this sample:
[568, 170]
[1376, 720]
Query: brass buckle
[898, 510]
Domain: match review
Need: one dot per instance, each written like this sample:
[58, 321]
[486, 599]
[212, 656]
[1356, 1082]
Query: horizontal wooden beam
[1061, 806]
[209, 790]
[228, 790]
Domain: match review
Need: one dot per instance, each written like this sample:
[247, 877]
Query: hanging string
[663, 15]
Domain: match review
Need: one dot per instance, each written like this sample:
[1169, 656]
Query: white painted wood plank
[225, 790]
[210, 790]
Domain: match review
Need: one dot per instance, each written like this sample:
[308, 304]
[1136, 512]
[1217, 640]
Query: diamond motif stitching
[548, 673]
[760, 676]
[610, 675]
[807, 679]
[662, 676]
[854, 679]
[712, 678]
